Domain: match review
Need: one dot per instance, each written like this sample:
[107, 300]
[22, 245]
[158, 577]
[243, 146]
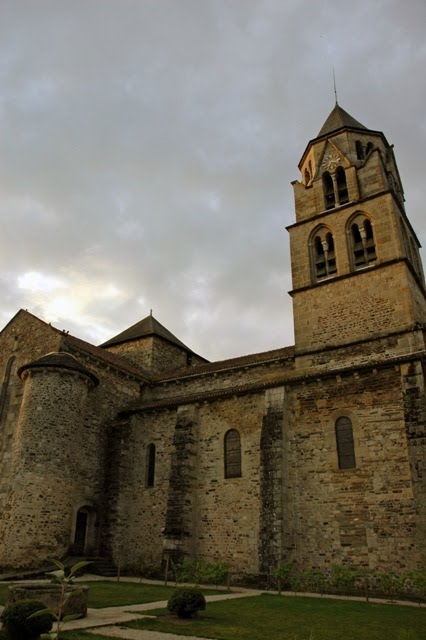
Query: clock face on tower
[330, 161]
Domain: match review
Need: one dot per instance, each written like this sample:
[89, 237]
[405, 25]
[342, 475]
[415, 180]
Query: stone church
[315, 453]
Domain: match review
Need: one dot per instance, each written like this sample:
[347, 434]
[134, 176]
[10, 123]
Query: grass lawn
[113, 594]
[106, 593]
[270, 617]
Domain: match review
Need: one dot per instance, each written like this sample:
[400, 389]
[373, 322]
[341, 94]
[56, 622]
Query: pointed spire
[338, 119]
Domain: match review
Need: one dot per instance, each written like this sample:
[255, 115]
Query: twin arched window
[362, 247]
[345, 443]
[232, 454]
[362, 152]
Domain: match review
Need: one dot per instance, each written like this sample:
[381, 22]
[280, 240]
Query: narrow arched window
[363, 247]
[359, 150]
[369, 148]
[307, 177]
[232, 454]
[329, 197]
[345, 443]
[150, 465]
[342, 187]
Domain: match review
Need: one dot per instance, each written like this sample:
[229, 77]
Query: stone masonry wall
[136, 513]
[364, 516]
[337, 315]
[271, 481]
[228, 509]
[181, 514]
[415, 421]
[227, 378]
[153, 354]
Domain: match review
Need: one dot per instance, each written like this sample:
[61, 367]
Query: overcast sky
[147, 149]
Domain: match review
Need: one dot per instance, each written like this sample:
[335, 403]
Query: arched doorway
[84, 539]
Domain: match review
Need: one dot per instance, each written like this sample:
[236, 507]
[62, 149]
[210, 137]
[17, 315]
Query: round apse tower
[48, 453]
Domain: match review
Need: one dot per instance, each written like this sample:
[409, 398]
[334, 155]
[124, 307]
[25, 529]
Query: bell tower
[356, 269]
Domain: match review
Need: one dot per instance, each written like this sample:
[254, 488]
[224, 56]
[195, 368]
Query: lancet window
[342, 187]
[345, 443]
[359, 150]
[329, 196]
[232, 454]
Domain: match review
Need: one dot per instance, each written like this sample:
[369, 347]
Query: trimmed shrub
[184, 603]
[20, 626]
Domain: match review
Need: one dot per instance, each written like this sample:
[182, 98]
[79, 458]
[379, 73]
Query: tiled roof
[232, 363]
[149, 326]
[338, 119]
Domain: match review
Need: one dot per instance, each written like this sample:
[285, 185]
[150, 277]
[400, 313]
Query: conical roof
[338, 119]
[149, 326]
[58, 360]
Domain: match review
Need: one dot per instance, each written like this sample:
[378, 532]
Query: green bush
[200, 572]
[391, 584]
[343, 579]
[184, 603]
[19, 626]
[282, 575]
[185, 571]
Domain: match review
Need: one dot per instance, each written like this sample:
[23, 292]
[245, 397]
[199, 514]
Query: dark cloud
[146, 151]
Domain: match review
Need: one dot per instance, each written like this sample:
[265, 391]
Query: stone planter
[49, 594]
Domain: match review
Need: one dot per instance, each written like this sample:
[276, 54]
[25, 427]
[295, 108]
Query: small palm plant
[64, 581]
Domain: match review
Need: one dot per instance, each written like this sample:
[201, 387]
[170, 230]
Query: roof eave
[325, 136]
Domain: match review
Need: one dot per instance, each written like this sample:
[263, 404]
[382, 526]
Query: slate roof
[338, 119]
[149, 326]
